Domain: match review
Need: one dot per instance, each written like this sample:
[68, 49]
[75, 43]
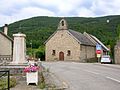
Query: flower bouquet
[31, 74]
[31, 68]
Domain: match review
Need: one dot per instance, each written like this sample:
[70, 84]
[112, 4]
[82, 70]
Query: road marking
[91, 72]
[65, 84]
[113, 79]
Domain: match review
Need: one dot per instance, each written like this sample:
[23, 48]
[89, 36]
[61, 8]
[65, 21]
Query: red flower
[31, 68]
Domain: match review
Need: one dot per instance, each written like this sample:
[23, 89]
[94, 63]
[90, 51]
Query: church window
[68, 53]
[53, 52]
[62, 23]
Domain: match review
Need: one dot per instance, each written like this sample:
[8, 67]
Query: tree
[118, 32]
[40, 53]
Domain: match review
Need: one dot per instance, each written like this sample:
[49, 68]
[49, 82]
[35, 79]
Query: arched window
[62, 23]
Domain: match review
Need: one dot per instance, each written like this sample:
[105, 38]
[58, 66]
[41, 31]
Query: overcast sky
[14, 10]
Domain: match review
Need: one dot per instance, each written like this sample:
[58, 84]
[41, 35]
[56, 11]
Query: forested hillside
[38, 29]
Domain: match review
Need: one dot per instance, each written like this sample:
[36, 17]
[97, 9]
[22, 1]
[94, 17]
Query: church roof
[6, 36]
[81, 38]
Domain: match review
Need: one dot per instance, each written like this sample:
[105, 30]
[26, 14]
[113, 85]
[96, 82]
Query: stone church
[5, 45]
[69, 45]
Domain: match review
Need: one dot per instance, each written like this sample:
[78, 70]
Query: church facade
[69, 45]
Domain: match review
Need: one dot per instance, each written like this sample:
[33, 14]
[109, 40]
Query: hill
[38, 29]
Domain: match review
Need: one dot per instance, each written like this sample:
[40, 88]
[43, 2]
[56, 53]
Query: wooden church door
[61, 56]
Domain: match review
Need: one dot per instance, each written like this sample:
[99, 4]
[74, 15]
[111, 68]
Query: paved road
[86, 76]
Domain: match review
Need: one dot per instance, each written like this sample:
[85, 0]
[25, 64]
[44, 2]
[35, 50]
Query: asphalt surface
[86, 76]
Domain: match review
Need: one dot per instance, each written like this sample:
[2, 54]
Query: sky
[15, 10]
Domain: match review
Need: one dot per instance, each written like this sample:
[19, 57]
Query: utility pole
[31, 47]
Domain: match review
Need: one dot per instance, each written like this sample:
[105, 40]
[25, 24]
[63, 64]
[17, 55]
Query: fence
[3, 75]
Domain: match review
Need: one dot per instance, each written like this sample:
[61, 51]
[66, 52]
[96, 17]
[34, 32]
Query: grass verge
[4, 83]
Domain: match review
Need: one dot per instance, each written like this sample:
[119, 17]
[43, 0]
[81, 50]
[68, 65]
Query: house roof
[6, 36]
[96, 41]
[81, 38]
[99, 42]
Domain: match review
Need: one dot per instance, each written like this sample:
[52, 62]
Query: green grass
[42, 81]
[4, 83]
[42, 84]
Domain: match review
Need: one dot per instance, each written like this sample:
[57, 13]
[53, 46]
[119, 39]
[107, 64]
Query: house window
[68, 53]
[53, 52]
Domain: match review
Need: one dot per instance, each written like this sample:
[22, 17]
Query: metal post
[8, 80]
[98, 59]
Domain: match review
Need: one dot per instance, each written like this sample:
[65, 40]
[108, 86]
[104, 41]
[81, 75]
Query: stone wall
[5, 46]
[117, 53]
[87, 52]
[14, 69]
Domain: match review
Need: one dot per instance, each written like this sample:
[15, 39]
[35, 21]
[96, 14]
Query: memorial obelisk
[19, 49]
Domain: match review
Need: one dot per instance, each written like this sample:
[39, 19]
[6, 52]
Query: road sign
[98, 47]
[98, 51]
[98, 55]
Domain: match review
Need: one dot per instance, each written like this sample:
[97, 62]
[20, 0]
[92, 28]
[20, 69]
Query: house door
[61, 56]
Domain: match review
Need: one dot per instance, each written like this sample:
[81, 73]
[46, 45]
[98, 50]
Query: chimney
[5, 29]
